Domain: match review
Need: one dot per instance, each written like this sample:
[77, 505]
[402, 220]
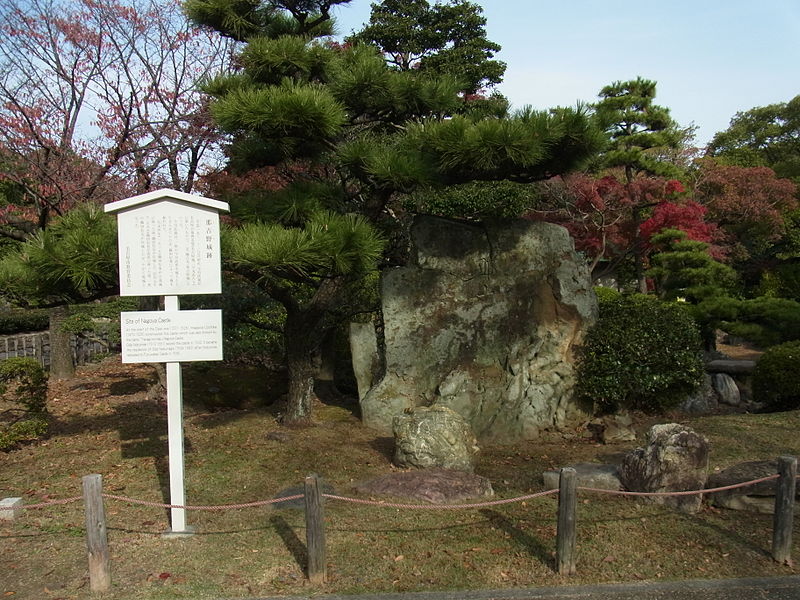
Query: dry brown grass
[103, 424]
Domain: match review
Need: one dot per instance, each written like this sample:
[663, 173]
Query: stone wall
[484, 320]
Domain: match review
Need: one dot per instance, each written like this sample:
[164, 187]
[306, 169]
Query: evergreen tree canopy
[684, 268]
[444, 38]
[346, 134]
[765, 136]
[74, 260]
[636, 125]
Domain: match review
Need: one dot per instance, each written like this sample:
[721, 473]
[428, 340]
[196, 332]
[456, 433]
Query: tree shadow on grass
[383, 446]
[738, 539]
[532, 544]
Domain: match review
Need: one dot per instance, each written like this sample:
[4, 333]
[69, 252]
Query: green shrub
[23, 387]
[24, 430]
[606, 294]
[19, 320]
[476, 200]
[776, 379]
[642, 354]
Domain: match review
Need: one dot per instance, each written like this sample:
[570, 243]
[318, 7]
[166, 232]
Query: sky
[710, 58]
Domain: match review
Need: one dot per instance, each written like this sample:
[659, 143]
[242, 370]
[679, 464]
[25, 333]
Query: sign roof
[165, 194]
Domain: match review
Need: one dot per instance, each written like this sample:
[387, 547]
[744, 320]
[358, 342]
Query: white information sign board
[171, 336]
[169, 245]
[169, 248]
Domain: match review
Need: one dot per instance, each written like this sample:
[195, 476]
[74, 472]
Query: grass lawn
[103, 424]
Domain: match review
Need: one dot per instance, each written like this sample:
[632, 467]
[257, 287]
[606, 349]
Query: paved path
[757, 588]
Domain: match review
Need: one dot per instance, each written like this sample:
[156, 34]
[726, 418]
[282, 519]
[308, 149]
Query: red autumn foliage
[748, 203]
[598, 213]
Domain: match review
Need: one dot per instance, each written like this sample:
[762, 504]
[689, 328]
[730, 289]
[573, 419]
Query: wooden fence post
[96, 535]
[784, 510]
[567, 505]
[315, 530]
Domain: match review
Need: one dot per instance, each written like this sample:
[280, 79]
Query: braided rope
[394, 504]
[438, 506]
[684, 493]
[203, 507]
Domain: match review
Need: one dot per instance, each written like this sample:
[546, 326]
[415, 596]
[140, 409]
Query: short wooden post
[567, 505]
[315, 530]
[96, 535]
[784, 510]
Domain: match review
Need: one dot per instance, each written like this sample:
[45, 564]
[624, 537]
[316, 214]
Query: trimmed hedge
[776, 378]
[642, 354]
[23, 320]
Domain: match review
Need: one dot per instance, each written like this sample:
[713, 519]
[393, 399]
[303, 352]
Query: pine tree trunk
[301, 389]
[638, 250]
[304, 332]
[61, 365]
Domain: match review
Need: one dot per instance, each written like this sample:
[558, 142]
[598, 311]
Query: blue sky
[711, 58]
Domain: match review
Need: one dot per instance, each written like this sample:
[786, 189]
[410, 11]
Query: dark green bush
[776, 379]
[23, 389]
[18, 320]
[642, 354]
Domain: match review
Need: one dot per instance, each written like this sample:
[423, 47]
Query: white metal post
[177, 493]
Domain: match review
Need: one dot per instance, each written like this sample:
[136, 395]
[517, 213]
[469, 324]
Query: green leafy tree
[641, 132]
[443, 38]
[347, 136]
[765, 136]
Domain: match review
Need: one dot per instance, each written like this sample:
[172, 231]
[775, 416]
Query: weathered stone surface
[727, 389]
[674, 459]
[613, 429]
[484, 320]
[437, 486]
[759, 497]
[434, 436]
[704, 400]
[593, 475]
[365, 357]
[731, 367]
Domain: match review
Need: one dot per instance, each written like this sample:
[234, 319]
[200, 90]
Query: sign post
[168, 246]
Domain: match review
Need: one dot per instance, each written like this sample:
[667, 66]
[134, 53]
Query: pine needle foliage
[349, 135]
[73, 260]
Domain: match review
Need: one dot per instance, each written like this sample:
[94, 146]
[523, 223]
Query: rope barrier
[438, 506]
[395, 504]
[46, 504]
[203, 507]
[683, 493]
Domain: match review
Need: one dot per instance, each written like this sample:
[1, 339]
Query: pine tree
[73, 261]
[637, 127]
[346, 135]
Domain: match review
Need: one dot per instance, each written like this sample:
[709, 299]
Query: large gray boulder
[759, 497]
[435, 436]
[484, 320]
[674, 459]
[727, 389]
[704, 400]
